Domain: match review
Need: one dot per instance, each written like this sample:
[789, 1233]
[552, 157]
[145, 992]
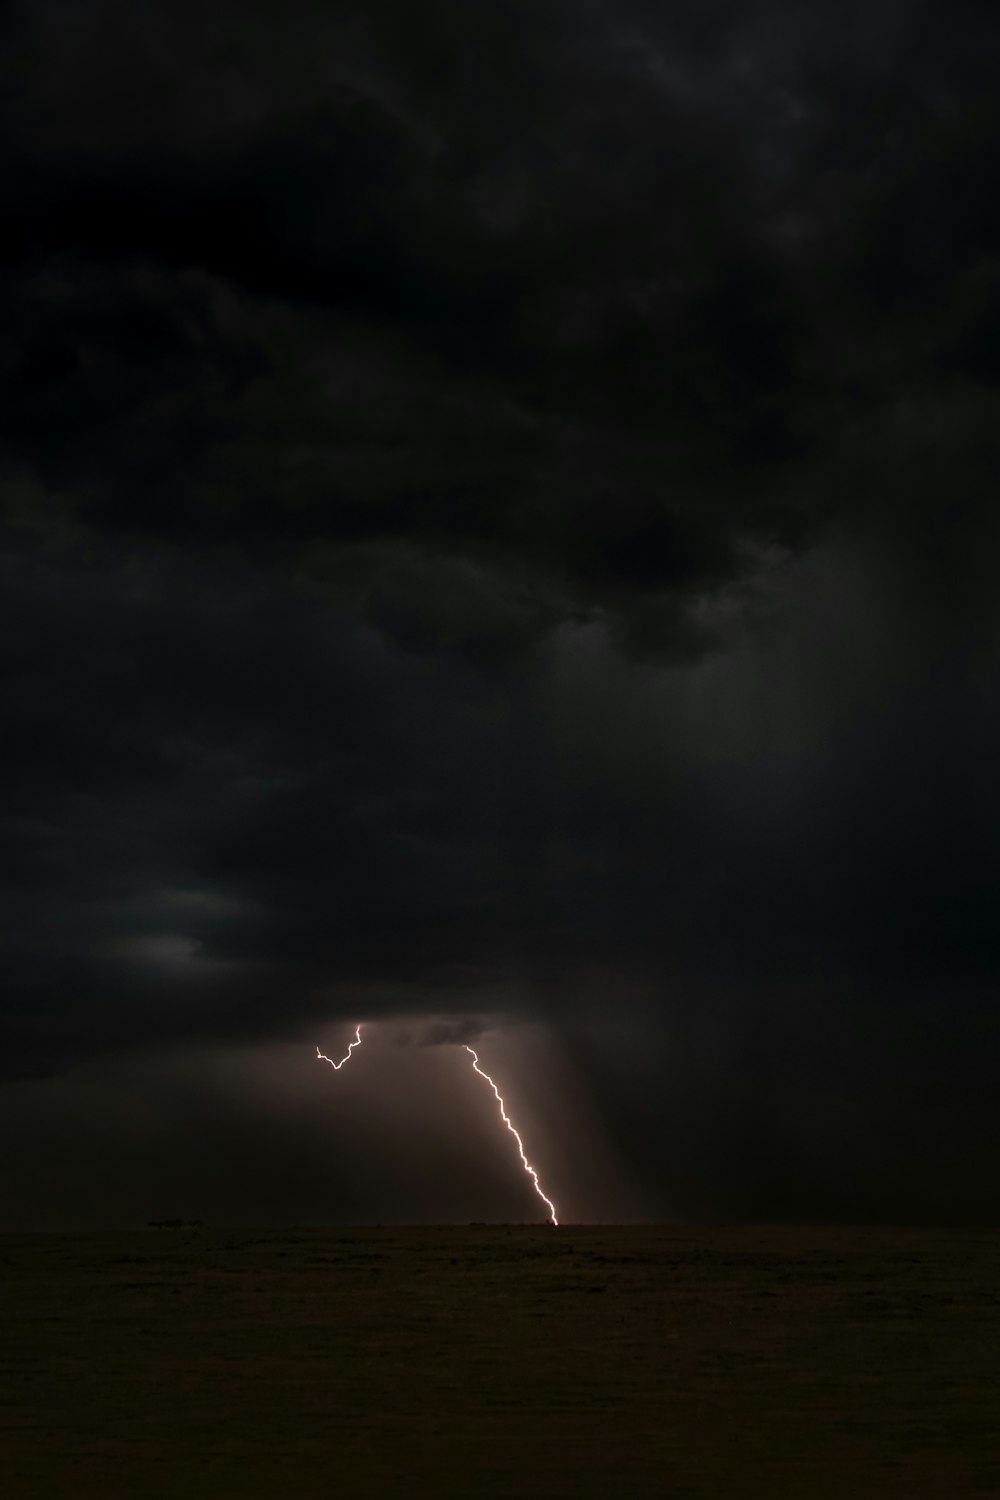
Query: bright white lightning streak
[335, 1065]
[520, 1145]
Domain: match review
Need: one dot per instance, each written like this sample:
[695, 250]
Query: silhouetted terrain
[503, 1362]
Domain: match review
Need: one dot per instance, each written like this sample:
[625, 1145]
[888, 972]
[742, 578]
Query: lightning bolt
[505, 1117]
[520, 1145]
[335, 1065]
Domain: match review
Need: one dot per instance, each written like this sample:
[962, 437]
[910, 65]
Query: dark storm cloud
[495, 291]
[499, 515]
[455, 1032]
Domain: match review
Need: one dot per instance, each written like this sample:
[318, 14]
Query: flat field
[501, 1362]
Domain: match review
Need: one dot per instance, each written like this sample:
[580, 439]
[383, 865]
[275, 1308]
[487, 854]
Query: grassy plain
[500, 1362]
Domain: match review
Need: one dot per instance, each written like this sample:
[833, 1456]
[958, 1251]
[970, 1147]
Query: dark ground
[503, 1362]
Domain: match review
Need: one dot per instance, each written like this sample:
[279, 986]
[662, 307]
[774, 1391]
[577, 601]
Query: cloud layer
[499, 521]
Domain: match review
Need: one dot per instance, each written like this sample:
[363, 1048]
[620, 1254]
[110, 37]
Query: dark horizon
[499, 543]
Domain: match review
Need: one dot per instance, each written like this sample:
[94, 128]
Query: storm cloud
[499, 530]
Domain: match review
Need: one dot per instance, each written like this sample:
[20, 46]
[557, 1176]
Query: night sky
[499, 541]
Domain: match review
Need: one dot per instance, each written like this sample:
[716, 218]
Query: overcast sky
[499, 539]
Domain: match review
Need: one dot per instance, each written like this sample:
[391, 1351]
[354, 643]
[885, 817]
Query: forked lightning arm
[520, 1145]
[335, 1065]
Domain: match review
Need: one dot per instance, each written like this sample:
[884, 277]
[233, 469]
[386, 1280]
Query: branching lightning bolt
[338, 1065]
[520, 1145]
[529, 1169]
